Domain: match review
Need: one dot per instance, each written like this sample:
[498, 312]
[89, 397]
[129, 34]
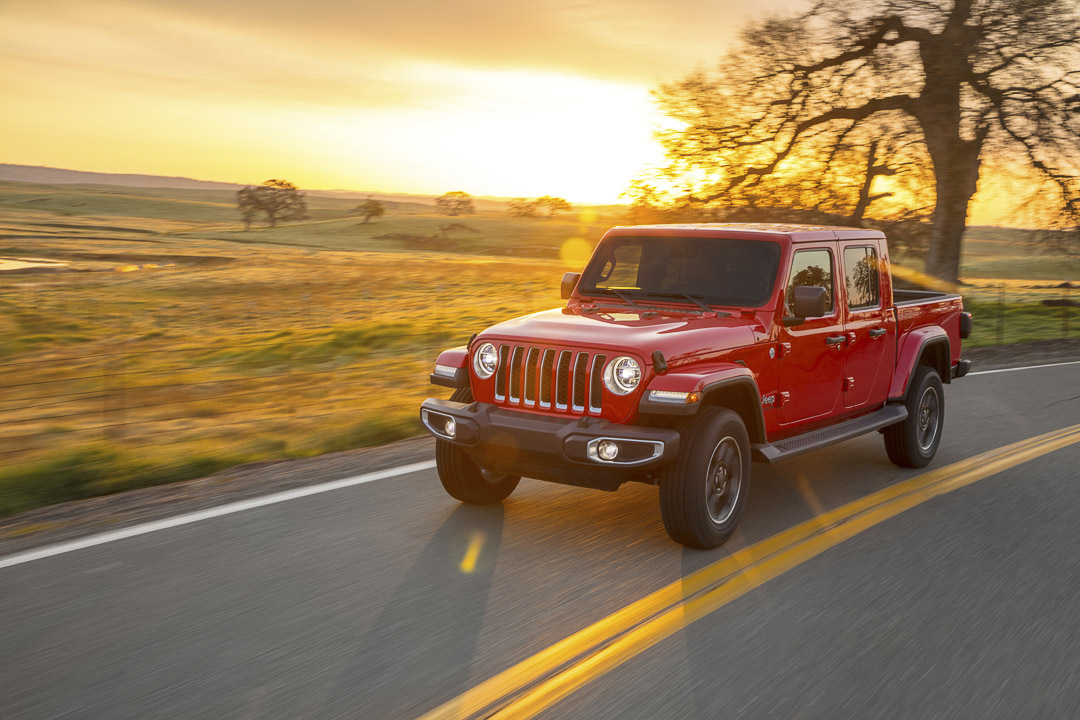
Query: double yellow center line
[537, 683]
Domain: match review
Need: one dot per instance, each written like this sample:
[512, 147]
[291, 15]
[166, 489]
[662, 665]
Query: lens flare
[575, 252]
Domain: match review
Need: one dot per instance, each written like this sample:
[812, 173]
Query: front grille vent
[548, 378]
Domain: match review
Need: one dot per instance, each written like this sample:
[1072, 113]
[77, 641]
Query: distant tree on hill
[276, 199]
[523, 207]
[370, 208]
[248, 204]
[455, 203]
[553, 204]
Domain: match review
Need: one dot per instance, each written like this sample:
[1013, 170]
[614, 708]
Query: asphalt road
[387, 599]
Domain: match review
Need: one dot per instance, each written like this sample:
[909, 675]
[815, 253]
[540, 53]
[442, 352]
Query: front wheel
[461, 478]
[913, 442]
[703, 492]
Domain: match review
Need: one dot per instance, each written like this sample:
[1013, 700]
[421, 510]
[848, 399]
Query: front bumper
[556, 449]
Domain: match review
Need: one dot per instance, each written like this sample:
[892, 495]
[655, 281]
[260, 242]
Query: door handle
[835, 339]
[877, 332]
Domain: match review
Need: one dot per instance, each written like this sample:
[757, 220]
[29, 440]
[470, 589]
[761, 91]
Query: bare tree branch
[812, 108]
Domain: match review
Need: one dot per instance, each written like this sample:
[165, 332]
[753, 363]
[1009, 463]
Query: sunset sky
[487, 96]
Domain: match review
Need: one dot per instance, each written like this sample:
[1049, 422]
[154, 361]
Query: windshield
[719, 271]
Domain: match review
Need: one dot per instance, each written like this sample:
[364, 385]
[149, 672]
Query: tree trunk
[955, 158]
[956, 173]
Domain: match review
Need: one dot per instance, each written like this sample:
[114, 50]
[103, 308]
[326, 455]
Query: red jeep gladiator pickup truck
[684, 353]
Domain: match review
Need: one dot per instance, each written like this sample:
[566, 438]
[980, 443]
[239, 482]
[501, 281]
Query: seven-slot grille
[548, 378]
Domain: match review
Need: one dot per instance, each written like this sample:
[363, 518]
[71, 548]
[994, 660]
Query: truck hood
[677, 336]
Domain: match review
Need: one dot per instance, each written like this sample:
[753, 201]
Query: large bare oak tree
[895, 104]
[277, 199]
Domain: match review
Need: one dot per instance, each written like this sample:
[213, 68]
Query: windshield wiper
[621, 295]
[687, 296]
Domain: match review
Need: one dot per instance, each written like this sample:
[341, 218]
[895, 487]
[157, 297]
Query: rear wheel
[913, 442]
[703, 492]
[462, 478]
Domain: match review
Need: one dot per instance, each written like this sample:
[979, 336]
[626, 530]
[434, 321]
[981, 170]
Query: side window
[861, 277]
[812, 267]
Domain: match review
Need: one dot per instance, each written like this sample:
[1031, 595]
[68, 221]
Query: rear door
[811, 354]
[871, 334]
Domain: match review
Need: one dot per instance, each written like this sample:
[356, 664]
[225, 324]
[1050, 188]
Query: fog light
[450, 427]
[607, 450]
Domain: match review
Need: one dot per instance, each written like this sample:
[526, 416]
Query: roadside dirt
[67, 521]
[1041, 352]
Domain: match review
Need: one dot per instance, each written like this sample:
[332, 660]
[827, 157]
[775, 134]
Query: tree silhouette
[370, 208]
[862, 286]
[810, 108]
[553, 204]
[522, 207]
[455, 203]
[276, 199]
[247, 202]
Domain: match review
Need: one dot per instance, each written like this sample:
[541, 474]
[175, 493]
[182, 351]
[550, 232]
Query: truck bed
[915, 309]
[913, 297]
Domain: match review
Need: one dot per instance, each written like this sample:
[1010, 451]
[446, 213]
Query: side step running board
[789, 447]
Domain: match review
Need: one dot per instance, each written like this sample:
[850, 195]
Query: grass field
[173, 343]
[157, 340]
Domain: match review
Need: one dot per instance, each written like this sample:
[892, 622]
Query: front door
[871, 334]
[812, 354]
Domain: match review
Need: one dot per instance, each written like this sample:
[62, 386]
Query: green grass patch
[98, 470]
[109, 467]
[1019, 322]
[375, 430]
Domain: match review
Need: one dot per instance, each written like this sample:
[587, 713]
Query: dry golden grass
[157, 355]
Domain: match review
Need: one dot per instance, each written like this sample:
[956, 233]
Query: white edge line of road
[1026, 367]
[192, 517]
[284, 496]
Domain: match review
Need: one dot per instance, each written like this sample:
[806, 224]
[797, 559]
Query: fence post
[291, 390]
[104, 386]
[1001, 315]
[437, 336]
[122, 413]
[1065, 311]
[117, 389]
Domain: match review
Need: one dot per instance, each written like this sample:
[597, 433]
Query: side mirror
[569, 282]
[809, 301]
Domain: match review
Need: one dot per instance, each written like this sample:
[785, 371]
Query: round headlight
[622, 375]
[485, 360]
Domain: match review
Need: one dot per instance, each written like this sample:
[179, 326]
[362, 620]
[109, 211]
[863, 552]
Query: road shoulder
[79, 518]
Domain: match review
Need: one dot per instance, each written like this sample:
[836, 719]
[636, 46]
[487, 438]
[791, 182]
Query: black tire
[913, 442]
[704, 490]
[461, 477]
